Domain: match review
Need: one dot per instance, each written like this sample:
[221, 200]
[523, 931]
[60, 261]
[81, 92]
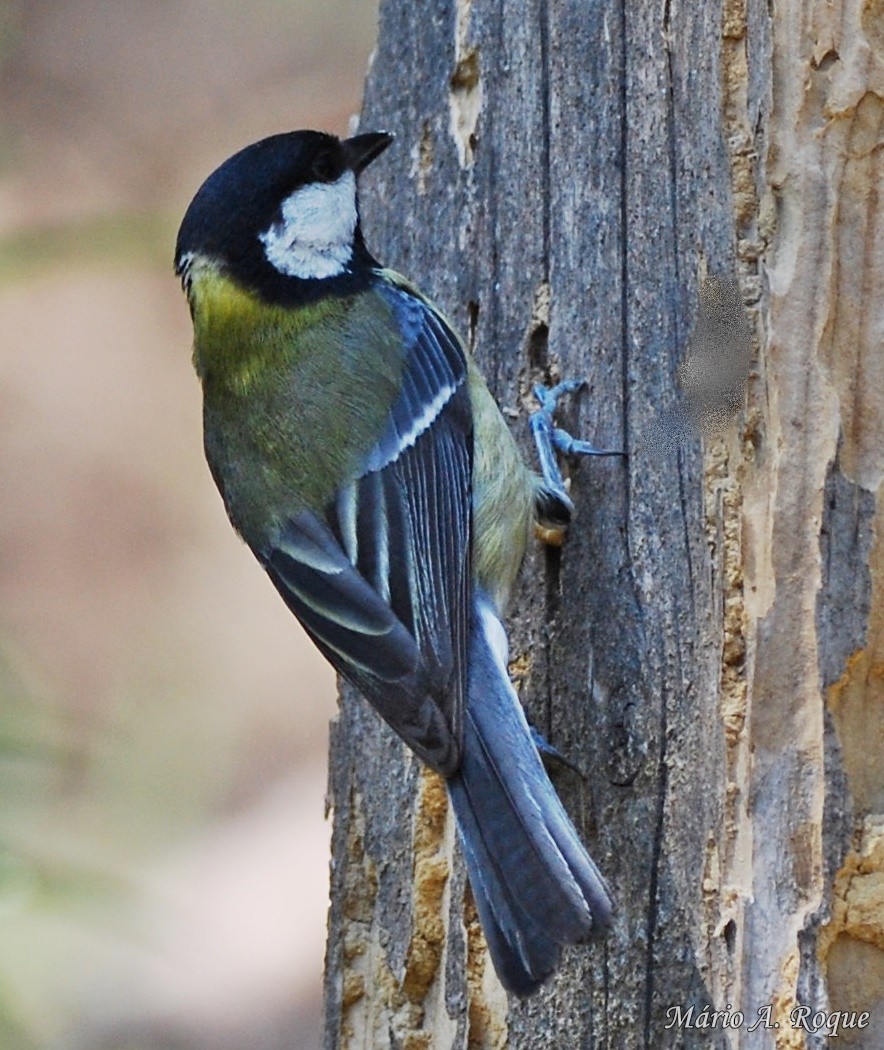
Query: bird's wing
[382, 581]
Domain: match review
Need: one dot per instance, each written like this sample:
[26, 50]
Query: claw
[570, 446]
[550, 755]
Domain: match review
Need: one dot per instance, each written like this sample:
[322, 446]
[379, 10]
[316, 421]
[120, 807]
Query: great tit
[362, 458]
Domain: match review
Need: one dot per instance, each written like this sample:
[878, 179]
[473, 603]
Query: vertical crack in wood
[624, 230]
[624, 324]
[539, 343]
[686, 532]
[672, 149]
[546, 146]
[650, 1037]
[662, 777]
[491, 368]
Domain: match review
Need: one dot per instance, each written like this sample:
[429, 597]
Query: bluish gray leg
[548, 438]
[550, 755]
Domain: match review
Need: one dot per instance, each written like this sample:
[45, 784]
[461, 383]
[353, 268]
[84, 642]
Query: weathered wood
[566, 173]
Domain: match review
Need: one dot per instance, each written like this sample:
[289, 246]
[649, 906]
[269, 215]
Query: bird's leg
[550, 755]
[554, 506]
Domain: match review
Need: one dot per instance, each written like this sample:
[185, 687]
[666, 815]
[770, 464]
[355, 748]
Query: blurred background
[163, 722]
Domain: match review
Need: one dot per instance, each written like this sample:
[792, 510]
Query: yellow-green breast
[293, 397]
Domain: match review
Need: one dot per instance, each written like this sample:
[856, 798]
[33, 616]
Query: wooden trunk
[708, 645]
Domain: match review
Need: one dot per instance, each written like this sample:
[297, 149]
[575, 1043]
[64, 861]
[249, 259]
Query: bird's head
[284, 207]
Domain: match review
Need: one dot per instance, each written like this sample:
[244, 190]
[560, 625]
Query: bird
[360, 455]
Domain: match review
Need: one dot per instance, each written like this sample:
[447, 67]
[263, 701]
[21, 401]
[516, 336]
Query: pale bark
[708, 646]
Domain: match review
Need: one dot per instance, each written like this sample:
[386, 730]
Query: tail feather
[522, 962]
[536, 888]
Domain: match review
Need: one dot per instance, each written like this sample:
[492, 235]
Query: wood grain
[566, 175]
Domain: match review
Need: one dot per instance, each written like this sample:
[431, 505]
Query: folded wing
[381, 579]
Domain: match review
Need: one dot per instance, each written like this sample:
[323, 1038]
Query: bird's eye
[324, 168]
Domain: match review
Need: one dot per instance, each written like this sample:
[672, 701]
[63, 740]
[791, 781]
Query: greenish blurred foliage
[29, 748]
[124, 238]
[32, 756]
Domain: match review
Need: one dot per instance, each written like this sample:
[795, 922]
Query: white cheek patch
[314, 237]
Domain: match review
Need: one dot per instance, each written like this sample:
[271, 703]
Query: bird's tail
[536, 888]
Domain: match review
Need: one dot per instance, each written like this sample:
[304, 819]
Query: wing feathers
[434, 370]
[381, 579]
[347, 509]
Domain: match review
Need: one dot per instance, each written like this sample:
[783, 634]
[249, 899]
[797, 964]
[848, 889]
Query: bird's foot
[554, 506]
[550, 755]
